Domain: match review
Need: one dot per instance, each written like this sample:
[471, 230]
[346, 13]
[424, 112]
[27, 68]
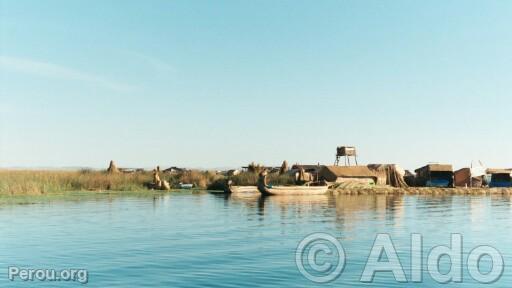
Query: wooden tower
[346, 152]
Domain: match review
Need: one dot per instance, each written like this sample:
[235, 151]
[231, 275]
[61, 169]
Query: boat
[242, 189]
[233, 189]
[186, 186]
[266, 189]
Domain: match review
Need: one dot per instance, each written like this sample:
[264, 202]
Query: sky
[222, 83]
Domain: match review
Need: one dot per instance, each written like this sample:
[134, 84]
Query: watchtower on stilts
[346, 152]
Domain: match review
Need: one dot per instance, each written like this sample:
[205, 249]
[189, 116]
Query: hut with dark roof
[500, 177]
[435, 175]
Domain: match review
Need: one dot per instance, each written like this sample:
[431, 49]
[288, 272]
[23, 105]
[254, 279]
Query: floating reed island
[353, 178]
[44, 182]
[346, 176]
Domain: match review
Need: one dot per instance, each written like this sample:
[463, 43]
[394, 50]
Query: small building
[174, 170]
[314, 169]
[309, 173]
[470, 177]
[500, 177]
[346, 152]
[360, 174]
[434, 175]
[394, 174]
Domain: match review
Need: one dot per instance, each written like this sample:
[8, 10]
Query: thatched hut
[112, 168]
[284, 168]
[359, 174]
[305, 173]
[394, 174]
[174, 170]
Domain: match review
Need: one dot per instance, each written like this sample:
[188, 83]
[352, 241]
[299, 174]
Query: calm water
[207, 240]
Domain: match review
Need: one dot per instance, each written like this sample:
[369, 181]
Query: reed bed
[14, 182]
[200, 179]
[35, 182]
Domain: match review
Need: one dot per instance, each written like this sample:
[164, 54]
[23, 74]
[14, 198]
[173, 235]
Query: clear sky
[223, 83]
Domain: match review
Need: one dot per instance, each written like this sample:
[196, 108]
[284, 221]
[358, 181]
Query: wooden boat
[288, 190]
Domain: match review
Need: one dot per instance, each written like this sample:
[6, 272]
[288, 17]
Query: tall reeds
[32, 182]
[13, 182]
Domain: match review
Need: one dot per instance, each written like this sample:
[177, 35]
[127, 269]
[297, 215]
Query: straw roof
[112, 168]
[349, 171]
[384, 167]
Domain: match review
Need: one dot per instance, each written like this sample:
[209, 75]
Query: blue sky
[223, 83]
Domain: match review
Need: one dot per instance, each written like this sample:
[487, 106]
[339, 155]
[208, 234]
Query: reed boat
[293, 190]
[186, 186]
[288, 190]
[242, 189]
[233, 189]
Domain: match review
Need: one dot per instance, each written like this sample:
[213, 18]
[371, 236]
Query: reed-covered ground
[37, 182]
[32, 182]
[358, 189]
[13, 182]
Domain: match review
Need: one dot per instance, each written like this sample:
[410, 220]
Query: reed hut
[435, 175]
[359, 174]
[394, 174]
[174, 170]
[309, 168]
[305, 173]
[284, 168]
[112, 167]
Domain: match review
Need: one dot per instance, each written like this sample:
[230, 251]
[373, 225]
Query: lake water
[207, 240]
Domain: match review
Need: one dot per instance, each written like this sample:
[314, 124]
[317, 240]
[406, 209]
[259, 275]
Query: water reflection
[183, 239]
[348, 211]
[345, 210]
